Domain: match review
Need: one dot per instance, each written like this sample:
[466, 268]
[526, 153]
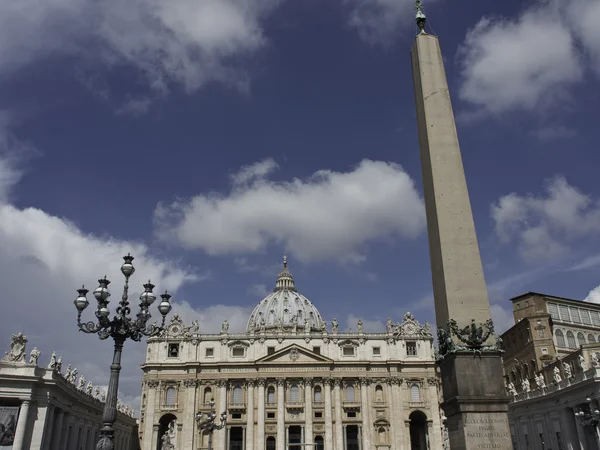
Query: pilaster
[260, 423]
[250, 415]
[308, 412]
[22, 425]
[364, 412]
[339, 435]
[147, 438]
[328, 419]
[188, 435]
[281, 441]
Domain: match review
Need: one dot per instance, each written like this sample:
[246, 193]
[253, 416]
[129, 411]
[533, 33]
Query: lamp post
[120, 328]
[206, 421]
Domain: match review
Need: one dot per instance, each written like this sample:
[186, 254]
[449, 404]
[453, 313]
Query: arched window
[238, 395]
[415, 393]
[294, 393]
[318, 394]
[170, 396]
[571, 340]
[207, 395]
[350, 393]
[271, 443]
[560, 338]
[580, 339]
[378, 393]
[591, 339]
[271, 395]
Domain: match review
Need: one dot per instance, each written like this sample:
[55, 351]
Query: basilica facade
[290, 381]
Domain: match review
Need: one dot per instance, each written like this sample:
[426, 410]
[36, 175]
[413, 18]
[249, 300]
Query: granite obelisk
[475, 400]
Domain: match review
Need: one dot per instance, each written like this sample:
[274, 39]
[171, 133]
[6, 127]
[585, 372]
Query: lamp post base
[106, 440]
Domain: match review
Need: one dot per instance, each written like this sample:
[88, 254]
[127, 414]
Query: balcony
[294, 405]
[351, 404]
[318, 404]
[416, 404]
[236, 407]
[170, 407]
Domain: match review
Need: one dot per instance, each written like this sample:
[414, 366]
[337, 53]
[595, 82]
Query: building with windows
[290, 379]
[552, 373]
[42, 408]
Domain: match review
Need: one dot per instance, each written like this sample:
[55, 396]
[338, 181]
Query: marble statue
[34, 355]
[324, 327]
[335, 326]
[595, 361]
[81, 384]
[294, 324]
[262, 325]
[567, 370]
[89, 388]
[525, 386]
[73, 376]
[225, 326]
[58, 366]
[97, 392]
[511, 389]
[306, 326]
[196, 326]
[360, 326]
[16, 353]
[426, 330]
[251, 323]
[279, 324]
[52, 362]
[389, 325]
[583, 363]
[68, 372]
[168, 439]
[103, 397]
[540, 381]
[557, 378]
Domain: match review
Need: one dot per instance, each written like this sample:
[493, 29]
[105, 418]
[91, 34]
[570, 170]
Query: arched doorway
[418, 431]
[319, 443]
[271, 443]
[165, 427]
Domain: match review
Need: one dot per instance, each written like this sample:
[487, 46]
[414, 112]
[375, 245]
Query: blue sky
[209, 138]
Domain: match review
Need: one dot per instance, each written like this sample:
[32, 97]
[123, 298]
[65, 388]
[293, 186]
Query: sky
[211, 137]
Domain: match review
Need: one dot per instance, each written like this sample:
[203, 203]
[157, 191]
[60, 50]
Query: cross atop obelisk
[470, 361]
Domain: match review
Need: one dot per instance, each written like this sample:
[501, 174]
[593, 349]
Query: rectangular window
[575, 314]
[595, 318]
[564, 313]
[351, 414]
[270, 415]
[544, 351]
[348, 351]
[376, 351]
[411, 348]
[553, 310]
[317, 350]
[236, 416]
[210, 352]
[237, 351]
[585, 316]
[173, 350]
[318, 415]
[270, 350]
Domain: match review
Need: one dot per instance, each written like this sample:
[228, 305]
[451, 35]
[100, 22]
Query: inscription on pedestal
[487, 431]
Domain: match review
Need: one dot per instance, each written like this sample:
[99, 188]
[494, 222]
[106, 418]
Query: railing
[295, 405]
[553, 387]
[416, 404]
[318, 404]
[171, 407]
[351, 404]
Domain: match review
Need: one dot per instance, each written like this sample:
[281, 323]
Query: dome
[285, 308]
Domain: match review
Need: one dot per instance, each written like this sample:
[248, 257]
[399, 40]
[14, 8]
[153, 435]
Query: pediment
[294, 354]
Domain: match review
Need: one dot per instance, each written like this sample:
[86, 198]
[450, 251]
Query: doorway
[236, 438]
[352, 437]
[418, 431]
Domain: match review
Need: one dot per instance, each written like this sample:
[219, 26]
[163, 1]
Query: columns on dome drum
[470, 359]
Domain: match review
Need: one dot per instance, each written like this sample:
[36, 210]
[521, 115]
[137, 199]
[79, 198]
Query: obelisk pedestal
[475, 401]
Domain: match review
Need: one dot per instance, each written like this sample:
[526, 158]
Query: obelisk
[475, 400]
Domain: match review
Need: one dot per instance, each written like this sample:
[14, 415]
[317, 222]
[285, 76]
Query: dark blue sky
[106, 115]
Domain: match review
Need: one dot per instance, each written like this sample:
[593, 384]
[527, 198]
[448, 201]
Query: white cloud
[380, 21]
[594, 295]
[587, 263]
[331, 215]
[521, 63]
[544, 227]
[503, 318]
[44, 259]
[583, 17]
[547, 134]
[190, 42]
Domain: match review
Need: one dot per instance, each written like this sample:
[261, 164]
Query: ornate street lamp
[206, 421]
[588, 416]
[120, 328]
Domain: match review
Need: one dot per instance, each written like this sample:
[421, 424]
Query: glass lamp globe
[81, 302]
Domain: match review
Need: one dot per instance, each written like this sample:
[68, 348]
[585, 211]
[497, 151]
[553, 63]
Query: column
[397, 406]
[221, 436]
[364, 413]
[281, 442]
[250, 415]
[308, 413]
[260, 422]
[19, 441]
[328, 420]
[64, 433]
[151, 389]
[189, 422]
[57, 430]
[435, 433]
[42, 428]
[339, 436]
